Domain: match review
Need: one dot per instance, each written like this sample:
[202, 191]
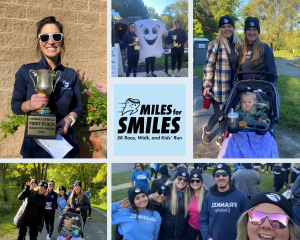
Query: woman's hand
[134, 44]
[64, 125]
[171, 45]
[124, 203]
[77, 209]
[67, 207]
[179, 45]
[37, 101]
[206, 90]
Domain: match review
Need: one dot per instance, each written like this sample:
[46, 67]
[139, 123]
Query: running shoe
[153, 74]
[178, 75]
[173, 75]
[219, 142]
[147, 75]
[205, 136]
[90, 219]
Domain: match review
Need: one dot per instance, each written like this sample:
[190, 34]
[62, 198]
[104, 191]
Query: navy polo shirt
[66, 98]
[181, 37]
[128, 39]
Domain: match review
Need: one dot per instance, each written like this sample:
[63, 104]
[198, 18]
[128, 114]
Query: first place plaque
[41, 125]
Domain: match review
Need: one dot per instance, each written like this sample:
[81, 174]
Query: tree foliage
[130, 8]
[152, 14]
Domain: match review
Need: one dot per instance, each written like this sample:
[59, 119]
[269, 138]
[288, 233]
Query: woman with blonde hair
[175, 208]
[196, 196]
[269, 215]
[220, 66]
[255, 55]
[79, 201]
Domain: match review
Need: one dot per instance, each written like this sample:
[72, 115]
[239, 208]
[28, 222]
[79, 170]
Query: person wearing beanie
[79, 201]
[32, 211]
[269, 215]
[134, 216]
[172, 169]
[175, 207]
[255, 55]
[218, 73]
[140, 177]
[164, 174]
[196, 196]
[33, 184]
[176, 51]
[62, 199]
[246, 179]
[222, 206]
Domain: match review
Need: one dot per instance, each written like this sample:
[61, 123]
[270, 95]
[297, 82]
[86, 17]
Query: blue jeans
[214, 119]
[296, 209]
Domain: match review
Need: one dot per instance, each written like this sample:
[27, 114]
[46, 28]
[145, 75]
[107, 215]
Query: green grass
[101, 207]
[122, 177]
[286, 54]
[8, 229]
[297, 63]
[161, 61]
[199, 72]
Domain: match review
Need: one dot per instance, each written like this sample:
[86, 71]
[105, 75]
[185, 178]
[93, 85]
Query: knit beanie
[44, 184]
[33, 181]
[251, 22]
[133, 192]
[182, 172]
[62, 188]
[164, 170]
[222, 166]
[77, 183]
[156, 186]
[175, 21]
[226, 20]
[196, 174]
[274, 198]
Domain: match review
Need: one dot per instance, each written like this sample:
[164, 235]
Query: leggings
[150, 60]
[49, 222]
[214, 119]
[278, 184]
[271, 166]
[90, 210]
[176, 54]
[84, 220]
[132, 62]
[152, 171]
[33, 229]
[192, 233]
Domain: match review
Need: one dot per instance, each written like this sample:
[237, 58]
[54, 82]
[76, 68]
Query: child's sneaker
[178, 75]
[173, 75]
[205, 136]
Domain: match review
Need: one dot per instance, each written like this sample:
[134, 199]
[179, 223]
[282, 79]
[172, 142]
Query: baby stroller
[266, 91]
[76, 220]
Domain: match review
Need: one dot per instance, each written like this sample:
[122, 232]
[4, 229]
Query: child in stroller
[249, 144]
[70, 227]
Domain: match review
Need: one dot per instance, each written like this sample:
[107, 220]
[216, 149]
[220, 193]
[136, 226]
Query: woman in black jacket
[279, 176]
[31, 213]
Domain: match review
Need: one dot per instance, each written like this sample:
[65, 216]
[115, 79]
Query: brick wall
[85, 35]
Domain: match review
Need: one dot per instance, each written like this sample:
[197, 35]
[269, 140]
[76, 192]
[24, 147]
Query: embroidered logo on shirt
[220, 165]
[66, 85]
[163, 187]
[225, 20]
[183, 174]
[274, 197]
[251, 24]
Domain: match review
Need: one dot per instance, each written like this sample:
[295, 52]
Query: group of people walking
[41, 203]
[182, 208]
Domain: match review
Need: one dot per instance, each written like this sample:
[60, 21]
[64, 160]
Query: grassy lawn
[289, 91]
[286, 54]
[297, 63]
[122, 177]
[8, 229]
[161, 61]
[101, 207]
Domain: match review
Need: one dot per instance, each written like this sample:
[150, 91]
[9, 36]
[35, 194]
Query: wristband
[73, 119]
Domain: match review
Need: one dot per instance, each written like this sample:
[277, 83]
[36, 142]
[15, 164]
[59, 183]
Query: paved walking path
[285, 68]
[96, 230]
[161, 73]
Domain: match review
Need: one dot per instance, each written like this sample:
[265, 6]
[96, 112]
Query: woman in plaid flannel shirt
[218, 73]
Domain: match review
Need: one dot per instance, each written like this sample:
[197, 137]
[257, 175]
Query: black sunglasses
[224, 174]
[182, 179]
[44, 37]
[137, 165]
[193, 180]
[50, 184]
[132, 26]
[162, 193]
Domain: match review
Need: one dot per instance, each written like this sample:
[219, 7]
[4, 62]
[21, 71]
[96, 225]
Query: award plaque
[175, 44]
[42, 122]
[137, 47]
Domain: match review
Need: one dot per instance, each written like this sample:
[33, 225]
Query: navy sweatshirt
[65, 99]
[221, 210]
[128, 39]
[51, 202]
[181, 37]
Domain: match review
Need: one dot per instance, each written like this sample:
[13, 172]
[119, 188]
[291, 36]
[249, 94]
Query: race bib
[48, 206]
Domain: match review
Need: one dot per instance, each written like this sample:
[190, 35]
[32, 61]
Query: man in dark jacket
[164, 173]
[222, 207]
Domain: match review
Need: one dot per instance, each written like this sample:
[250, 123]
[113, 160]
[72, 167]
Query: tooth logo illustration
[220, 165]
[225, 20]
[184, 174]
[131, 106]
[163, 187]
[195, 175]
[137, 190]
[66, 84]
[251, 24]
[150, 32]
[274, 197]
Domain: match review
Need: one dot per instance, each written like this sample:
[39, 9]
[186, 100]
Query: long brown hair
[200, 193]
[80, 196]
[225, 41]
[258, 50]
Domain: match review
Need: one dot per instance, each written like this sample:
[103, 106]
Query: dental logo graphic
[195, 175]
[150, 33]
[66, 84]
[131, 105]
[225, 20]
[137, 190]
[163, 187]
[184, 174]
[220, 165]
[274, 197]
[251, 24]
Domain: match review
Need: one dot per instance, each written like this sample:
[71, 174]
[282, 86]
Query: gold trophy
[41, 123]
[175, 44]
[136, 47]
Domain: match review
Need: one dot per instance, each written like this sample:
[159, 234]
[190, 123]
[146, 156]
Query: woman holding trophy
[65, 99]
[130, 42]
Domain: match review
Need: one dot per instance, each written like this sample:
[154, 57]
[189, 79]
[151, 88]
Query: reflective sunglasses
[224, 174]
[182, 179]
[193, 180]
[137, 165]
[277, 220]
[132, 26]
[50, 184]
[44, 37]
[162, 193]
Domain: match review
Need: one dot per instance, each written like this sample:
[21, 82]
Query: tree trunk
[3, 168]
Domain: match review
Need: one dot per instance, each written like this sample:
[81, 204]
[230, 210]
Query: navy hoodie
[220, 212]
[181, 37]
[128, 39]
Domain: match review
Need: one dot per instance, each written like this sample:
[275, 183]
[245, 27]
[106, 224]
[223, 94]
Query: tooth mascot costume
[150, 33]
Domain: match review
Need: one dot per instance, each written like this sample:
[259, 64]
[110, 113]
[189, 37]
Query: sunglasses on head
[224, 174]
[193, 180]
[162, 193]
[182, 179]
[132, 26]
[277, 220]
[44, 37]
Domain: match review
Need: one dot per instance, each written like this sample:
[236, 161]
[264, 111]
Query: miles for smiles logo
[163, 120]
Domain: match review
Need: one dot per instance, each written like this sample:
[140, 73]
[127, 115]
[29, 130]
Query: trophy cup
[136, 47]
[175, 44]
[41, 123]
